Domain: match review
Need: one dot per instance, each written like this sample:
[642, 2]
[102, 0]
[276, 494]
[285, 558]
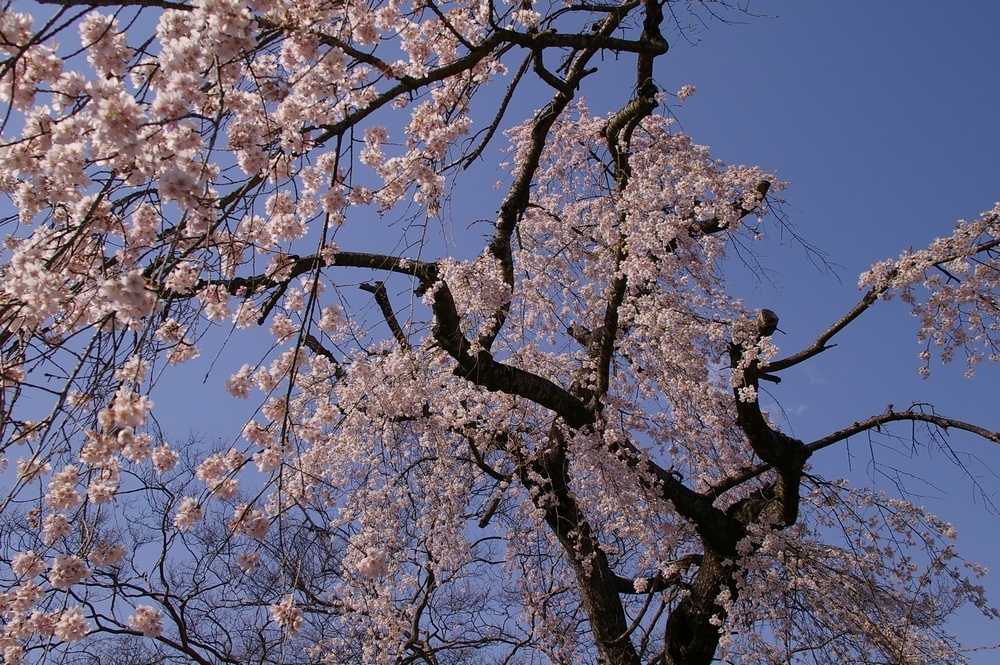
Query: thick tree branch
[164, 4]
[618, 135]
[653, 42]
[658, 582]
[480, 368]
[692, 635]
[547, 477]
[595, 41]
[785, 454]
[409, 84]
[314, 345]
[295, 266]
[719, 531]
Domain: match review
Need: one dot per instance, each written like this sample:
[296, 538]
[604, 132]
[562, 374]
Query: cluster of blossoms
[287, 615]
[217, 471]
[881, 544]
[147, 620]
[188, 514]
[253, 523]
[944, 285]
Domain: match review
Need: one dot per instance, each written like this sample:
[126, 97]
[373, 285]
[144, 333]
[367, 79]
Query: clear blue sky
[883, 116]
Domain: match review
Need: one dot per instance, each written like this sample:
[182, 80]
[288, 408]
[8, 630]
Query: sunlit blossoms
[250, 522]
[62, 489]
[67, 570]
[147, 620]
[287, 615]
[188, 514]
[944, 285]
[27, 564]
[71, 625]
[373, 565]
[107, 554]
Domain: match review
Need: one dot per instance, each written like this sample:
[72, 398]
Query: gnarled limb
[875, 422]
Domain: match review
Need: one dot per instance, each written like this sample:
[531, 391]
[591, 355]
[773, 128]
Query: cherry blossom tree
[517, 424]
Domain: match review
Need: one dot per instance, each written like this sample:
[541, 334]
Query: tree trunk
[598, 583]
[691, 635]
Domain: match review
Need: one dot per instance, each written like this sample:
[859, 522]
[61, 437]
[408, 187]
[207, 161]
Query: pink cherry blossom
[164, 458]
[107, 554]
[248, 562]
[188, 514]
[250, 522]
[28, 564]
[71, 625]
[287, 615]
[147, 620]
[67, 570]
[62, 489]
[373, 565]
[685, 92]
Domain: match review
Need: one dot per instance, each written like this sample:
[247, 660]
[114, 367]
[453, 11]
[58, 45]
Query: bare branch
[821, 343]
[913, 415]
[382, 298]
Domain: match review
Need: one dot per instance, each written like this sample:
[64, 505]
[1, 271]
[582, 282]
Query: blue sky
[882, 116]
